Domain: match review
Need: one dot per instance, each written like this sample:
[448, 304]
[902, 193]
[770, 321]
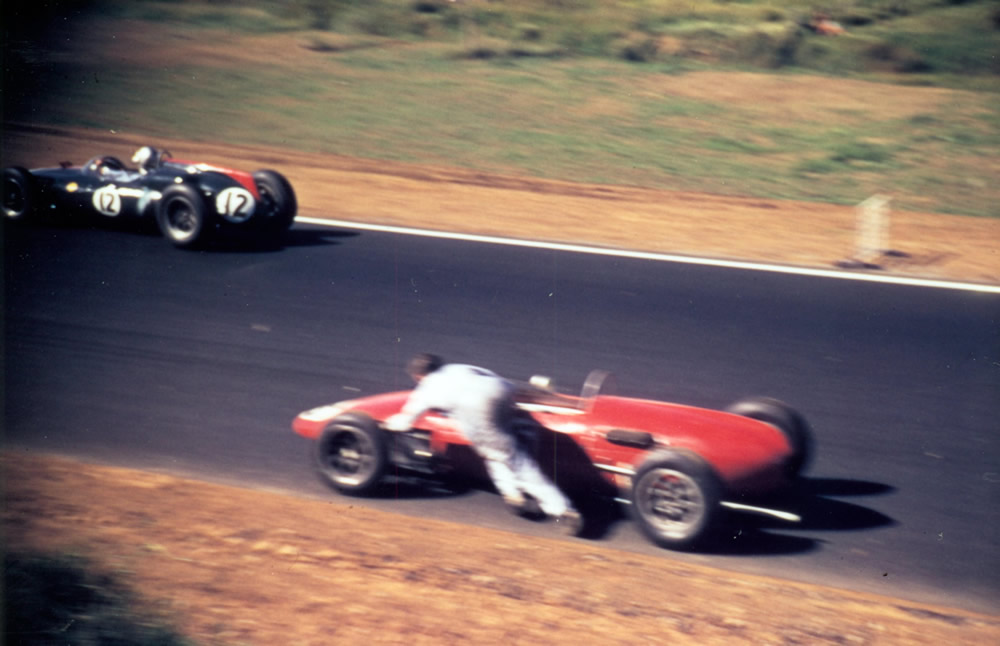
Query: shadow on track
[813, 501]
[296, 237]
[746, 534]
[240, 242]
[223, 241]
[420, 487]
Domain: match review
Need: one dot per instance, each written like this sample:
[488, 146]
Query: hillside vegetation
[730, 97]
[940, 36]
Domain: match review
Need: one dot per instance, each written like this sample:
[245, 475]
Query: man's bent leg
[531, 480]
[505, 482]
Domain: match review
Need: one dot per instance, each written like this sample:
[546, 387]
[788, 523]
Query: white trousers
[488, 424]
[520, 475]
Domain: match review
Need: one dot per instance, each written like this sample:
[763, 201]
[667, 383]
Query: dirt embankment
[797, 233]
[250, 567]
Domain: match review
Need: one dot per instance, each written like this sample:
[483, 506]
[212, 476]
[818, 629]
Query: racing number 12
[107, 201]
[236, 204]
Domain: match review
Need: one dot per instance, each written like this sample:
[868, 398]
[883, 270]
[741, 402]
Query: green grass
[588, 114]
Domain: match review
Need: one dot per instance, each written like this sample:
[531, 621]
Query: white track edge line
[661, 257]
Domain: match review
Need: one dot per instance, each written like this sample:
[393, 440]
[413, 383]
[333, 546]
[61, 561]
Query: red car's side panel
[736, 447]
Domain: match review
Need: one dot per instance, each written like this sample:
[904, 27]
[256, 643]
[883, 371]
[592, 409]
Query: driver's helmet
[147, 158]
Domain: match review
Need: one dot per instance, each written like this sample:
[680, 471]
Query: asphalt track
[122, 350]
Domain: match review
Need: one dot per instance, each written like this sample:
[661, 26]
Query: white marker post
[872, 229]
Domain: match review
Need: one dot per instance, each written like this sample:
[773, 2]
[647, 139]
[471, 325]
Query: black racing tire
[675, 499]
[279, 202]
[183, 217]
[350, 455]
[20, 194]
[787, 420]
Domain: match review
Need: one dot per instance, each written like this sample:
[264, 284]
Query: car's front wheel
[675, 498]
[19, 194]
[182, 216]
[278, 198]
[350, 454]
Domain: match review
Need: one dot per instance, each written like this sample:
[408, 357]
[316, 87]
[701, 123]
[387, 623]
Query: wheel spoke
[349, 455]
[672, 500]
[182, 219]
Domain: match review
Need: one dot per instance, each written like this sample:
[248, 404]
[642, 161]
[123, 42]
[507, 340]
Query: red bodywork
[748, 455]
[244, 178]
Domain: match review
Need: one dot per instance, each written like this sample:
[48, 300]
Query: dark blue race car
[191, 201]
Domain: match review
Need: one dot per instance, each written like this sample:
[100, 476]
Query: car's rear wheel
[350, 454]
[19, 194]
[675, 497]
[182, 216]
[280, 204]
[787, 420]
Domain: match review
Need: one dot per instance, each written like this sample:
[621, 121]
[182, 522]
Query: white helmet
[147, 158]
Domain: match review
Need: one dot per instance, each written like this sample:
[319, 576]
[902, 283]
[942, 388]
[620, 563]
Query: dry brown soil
[238, 566]
[250, 567]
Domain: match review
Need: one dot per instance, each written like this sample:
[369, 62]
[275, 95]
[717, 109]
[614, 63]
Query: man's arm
[416, 405]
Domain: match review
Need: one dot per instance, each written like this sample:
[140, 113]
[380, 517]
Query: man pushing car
[481, 403]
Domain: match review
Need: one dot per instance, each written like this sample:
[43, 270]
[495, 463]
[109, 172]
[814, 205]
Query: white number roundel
[235, 204]
[107, 201]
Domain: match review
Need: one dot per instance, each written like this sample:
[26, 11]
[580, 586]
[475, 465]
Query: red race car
[678, 467]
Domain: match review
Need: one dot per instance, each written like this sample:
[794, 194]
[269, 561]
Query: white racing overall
[481, 404]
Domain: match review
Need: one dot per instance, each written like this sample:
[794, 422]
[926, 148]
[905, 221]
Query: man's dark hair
[424, 364]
